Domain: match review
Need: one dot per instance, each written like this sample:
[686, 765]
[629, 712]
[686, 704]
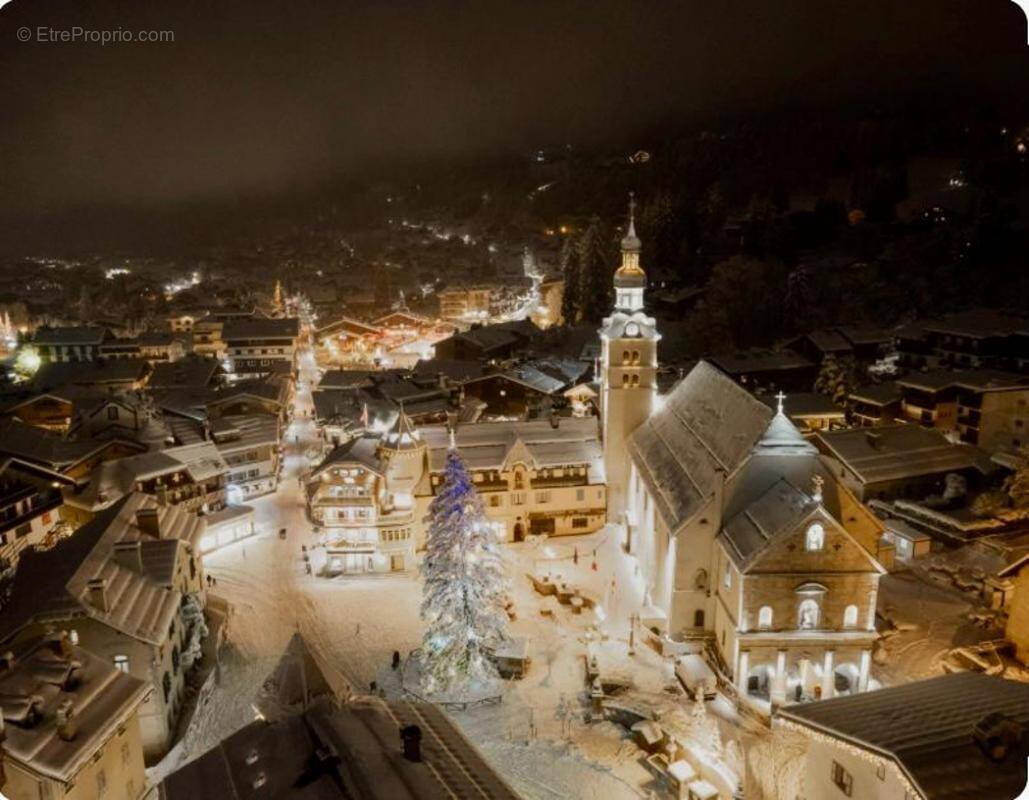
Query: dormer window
[814, 538]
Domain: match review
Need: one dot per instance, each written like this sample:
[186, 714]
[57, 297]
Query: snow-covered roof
[927, 727]
[892, 452]
[490, 445]
[102, 699]
[57, 583]
[708, 423]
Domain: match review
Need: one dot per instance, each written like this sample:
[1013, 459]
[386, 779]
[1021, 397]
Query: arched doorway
[698, 618]
[845, 678]
[519, 532]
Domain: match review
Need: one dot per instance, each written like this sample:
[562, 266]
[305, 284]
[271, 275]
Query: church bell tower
[628, 368]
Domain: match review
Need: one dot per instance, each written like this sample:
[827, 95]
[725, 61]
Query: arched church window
[625, 380]
[635, 356]
[626, 357]
[635, 381]
[807, 615]
[764, 617]
[850, 617]
[700, 580]
[815, 538]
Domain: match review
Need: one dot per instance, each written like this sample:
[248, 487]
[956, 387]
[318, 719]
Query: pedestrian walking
[575, 557]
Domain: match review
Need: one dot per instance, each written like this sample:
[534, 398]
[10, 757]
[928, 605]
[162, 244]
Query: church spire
[630, 279]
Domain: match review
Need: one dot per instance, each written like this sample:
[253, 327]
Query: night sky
[263, 98]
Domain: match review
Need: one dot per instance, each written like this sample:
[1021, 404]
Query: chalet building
[534, 478]
[465, 303]
[974, 339]
[945, 738]
[103, 375]
[771, 369]
[254, 345]
[745, 536]
[31, 508]
[271, 395]
[75, 459]
[192, 476]
[900, 461]
[207, 338]
[125, 416]
[986, 408]
[50, 411]
[155, 347]
[860, 344]
[487, 342]
[70, 344]
[250, 445]
[71, 726]
[191, 372]
[513, 392]
[130, 585]
[874, 404]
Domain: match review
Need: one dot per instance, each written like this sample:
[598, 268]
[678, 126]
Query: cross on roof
[781, 398]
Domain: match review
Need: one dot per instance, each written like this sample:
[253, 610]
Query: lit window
[850, 617]
[815, 538]
[727, 577]
[121, 663]
[807, 616]
[764, 617]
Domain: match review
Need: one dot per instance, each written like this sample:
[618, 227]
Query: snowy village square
[503, 400]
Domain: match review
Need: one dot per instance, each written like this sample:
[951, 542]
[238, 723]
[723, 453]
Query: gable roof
[489, 445]
[926, 728]
[54, 584]
[260, 327]
[891, 452]
[707, 424]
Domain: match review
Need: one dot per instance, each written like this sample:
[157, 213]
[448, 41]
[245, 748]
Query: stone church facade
[746, 539]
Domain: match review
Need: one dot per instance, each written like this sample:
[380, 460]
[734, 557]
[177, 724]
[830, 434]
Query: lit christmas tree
[463, 595]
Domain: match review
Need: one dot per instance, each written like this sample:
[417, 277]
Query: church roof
[778, 510]
[783, 438]
[707, 424]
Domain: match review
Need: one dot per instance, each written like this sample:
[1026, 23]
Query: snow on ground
[538, 737]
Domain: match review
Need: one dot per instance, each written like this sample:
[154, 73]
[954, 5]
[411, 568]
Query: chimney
[555, 420]
[148, 521]
[129, 555]
[65, 722]
[7, 661]
[874, 440]
[411, 736]
[998, 736]
[98, 593]
[61, 644]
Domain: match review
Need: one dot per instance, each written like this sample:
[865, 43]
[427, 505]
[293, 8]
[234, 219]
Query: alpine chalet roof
[102, 700]
[54, 584]
[926, 727]
[70, 336]
[260, 328]
[892, 452]
[488, 445]
[707, 423]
